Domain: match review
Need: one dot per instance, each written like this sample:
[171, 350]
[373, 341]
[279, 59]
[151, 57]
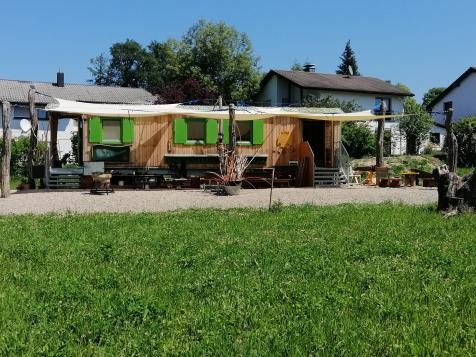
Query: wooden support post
[54, 136]
[220, 147]
[6, 150]
[33, 135]
[452, 142]
[232, 131]
[379, 161]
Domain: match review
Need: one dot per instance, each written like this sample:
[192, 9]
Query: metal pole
[271, 191]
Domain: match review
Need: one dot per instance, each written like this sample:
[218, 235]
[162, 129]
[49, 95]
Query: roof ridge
[67, 84]
[330, 74]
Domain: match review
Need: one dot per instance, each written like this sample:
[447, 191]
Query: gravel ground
[40, 202]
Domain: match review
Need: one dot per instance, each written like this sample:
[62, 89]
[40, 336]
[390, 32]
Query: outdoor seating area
[385, 177]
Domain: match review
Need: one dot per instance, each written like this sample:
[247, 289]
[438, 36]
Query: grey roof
[337, 82]
[17, 92]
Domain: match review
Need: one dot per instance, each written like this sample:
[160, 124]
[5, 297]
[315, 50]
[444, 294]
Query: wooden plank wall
[153, 138]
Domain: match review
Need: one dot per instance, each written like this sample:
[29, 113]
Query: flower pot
[233, 188]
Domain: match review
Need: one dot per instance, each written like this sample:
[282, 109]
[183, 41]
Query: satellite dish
[351, 70]
[25, 125]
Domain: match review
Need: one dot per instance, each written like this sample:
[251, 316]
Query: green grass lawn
[343, 280]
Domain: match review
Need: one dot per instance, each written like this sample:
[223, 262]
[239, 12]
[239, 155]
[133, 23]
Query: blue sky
[420, 43]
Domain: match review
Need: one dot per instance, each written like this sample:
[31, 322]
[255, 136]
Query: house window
[447, 106]
[435, 138]
[284, 102]
[388, 104]
[195, 131]
[244, 131]
[111, 129]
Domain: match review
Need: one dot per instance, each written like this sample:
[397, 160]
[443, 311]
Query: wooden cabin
[178, 143]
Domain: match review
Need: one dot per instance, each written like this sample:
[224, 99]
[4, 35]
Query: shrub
[19, 157]
[359, 139]
[465, 131]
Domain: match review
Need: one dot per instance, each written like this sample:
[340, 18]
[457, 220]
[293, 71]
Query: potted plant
[232, 177]
[24, 184]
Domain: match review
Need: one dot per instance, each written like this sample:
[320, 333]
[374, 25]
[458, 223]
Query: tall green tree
[430, 95]
[210, 59]
[416, 126]
[222, 59]
[296, 66]
[348, 59]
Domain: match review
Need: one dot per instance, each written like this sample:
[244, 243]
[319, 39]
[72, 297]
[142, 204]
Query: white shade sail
[241, 113]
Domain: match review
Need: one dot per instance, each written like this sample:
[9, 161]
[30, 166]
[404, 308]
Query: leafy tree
[296, 66]
[430, 95]
[210, 59]
[222, 59]
[348, 59]
[465, 131]
[329, 102]
[416, 126]
[100, 70]
[359, 139]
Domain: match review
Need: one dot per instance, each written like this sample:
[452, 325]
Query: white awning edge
[242, 113]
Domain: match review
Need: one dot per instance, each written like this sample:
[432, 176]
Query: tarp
[241, 113]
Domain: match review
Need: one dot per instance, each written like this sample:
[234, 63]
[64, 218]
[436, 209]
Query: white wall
[463, 98]
[66, 128]
[464, 104]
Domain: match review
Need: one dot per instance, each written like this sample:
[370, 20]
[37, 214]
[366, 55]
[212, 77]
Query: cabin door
[314, 131]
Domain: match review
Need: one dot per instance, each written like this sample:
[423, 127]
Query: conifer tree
[348, 59]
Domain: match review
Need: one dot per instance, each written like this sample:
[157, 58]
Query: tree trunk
[454, 192]
[451, 141]
[6, 150]
[33, 135]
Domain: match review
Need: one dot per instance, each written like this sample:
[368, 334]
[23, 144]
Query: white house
[289, 88]
[461, 96]
[16, 92]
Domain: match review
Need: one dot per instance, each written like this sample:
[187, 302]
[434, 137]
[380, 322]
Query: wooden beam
[379, 161]
[33, 135]
[54, 136]
[232, 131]
[451, 141]
[6, 150]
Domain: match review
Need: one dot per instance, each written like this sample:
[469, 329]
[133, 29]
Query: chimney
[60, 79]
[308, 67]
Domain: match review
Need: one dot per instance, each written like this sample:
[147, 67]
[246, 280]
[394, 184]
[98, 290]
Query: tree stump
[455, 193]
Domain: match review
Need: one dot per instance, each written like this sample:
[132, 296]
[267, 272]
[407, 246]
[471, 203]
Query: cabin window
[116, 131]
[205, 131]
[243, 132]
[111, 129]
[195, 131]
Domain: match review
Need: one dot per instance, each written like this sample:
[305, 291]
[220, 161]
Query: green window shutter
[127, 130]
[95, 130]
[226, 131]
[211, 131]
[257, 132]
[180, 131]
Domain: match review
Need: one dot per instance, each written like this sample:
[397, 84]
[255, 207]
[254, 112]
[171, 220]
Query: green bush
[465, 131]
[358, 139]
[19, 157]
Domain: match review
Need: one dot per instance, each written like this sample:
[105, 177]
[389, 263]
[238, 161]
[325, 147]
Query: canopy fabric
[241, 113]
